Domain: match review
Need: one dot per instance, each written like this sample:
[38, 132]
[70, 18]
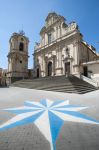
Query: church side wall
[86, 54]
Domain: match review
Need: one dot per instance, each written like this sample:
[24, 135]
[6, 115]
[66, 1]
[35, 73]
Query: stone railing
[89, 80]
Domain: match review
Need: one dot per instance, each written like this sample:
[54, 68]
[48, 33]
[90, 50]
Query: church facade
[61, 50]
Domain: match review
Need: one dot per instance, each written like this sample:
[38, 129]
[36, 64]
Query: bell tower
[18, 57]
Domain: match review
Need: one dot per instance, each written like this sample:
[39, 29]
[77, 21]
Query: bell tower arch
[18, 57]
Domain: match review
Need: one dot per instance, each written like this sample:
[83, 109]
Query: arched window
[67, 51]
[21, 47]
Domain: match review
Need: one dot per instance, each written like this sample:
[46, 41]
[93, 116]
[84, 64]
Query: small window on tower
[20, 61]
[21, 47]
[22, 39]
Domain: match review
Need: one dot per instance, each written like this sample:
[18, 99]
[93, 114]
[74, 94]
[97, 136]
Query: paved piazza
[43, 120]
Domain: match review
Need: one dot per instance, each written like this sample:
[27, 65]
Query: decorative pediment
[53, 17]
[50, 15]
[50, 20]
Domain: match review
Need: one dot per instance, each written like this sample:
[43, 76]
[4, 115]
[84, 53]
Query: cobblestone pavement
[73, 135]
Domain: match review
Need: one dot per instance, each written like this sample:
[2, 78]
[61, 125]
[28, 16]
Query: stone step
[69, 84]
[65, 87]
[54, 85]
[72, 91]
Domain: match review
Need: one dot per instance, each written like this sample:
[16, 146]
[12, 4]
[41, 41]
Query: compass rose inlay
[48, 116]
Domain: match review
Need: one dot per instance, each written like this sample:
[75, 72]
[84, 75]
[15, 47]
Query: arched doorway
[49, 68]
[38, 74]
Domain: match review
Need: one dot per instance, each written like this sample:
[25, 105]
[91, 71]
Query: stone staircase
[64, 84]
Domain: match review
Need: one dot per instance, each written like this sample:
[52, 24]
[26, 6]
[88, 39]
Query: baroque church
[61, 51]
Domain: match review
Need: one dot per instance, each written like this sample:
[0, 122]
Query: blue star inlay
[48, 116]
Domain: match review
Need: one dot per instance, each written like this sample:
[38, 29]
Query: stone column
[76, 57]
[59, 61]
[53, 65]
[46, 39]
[43, 65]
[46, 62]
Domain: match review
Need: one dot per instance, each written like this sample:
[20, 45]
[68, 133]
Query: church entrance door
[49, 68]
[67, 68]
[85, 71]
[38, 73]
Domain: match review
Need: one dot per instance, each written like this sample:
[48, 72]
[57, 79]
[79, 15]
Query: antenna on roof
[21, 32]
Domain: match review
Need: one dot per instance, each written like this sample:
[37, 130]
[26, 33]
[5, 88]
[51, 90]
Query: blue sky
[30, 15]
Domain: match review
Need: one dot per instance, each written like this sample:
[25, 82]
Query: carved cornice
[10, 54]
[69, 36]
[68, 58]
